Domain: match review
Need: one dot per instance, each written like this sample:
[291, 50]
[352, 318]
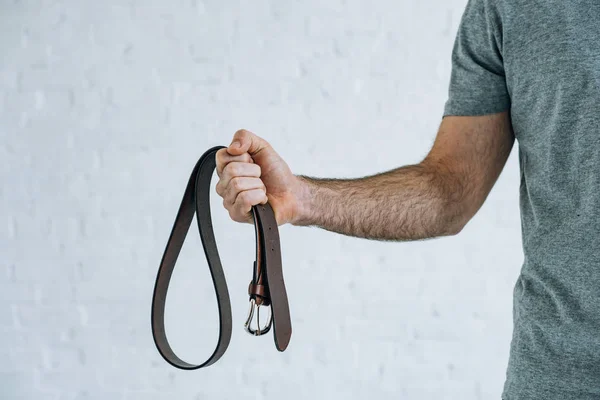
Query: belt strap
[196, 199]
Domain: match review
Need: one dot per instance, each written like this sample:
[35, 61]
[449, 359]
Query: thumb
[246, 142]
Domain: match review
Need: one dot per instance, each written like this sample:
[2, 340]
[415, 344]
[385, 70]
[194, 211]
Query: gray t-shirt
[540, 59]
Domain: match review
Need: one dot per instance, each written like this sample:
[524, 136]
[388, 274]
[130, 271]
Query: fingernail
[235, 143]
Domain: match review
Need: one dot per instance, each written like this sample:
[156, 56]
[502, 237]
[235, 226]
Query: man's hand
[250, 173]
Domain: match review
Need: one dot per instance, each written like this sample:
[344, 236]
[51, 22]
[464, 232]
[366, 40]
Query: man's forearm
[409, 203]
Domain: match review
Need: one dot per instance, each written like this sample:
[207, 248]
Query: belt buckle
[248, 324]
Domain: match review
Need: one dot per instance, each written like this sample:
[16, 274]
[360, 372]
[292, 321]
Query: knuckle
[247, 200]
[229, 169]
[225, 170]
[236, 183]
[243, 198]
[230, 197]
[233, 215]
[220, 156]
[242, 134]
[238, 169]
[246, 158]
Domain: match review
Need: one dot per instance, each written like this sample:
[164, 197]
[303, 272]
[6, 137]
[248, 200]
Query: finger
[243, 203]
[240, 184]
[223, 158]
[236, 169]
[246, 142]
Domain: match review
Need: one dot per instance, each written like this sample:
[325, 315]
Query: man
[524, 69]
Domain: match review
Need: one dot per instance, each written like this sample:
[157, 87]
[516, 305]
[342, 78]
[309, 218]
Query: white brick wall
[105, 107]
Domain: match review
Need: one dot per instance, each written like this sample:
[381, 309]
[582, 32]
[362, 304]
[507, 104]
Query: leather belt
[267, 287]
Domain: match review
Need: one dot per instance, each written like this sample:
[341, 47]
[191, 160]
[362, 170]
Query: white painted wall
[105, 107]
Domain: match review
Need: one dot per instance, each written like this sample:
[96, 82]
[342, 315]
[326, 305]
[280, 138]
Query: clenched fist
[250, 173]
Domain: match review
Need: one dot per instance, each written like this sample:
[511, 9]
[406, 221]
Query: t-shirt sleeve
[477, 81]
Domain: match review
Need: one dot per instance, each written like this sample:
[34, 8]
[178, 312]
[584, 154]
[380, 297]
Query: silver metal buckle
[258, 331]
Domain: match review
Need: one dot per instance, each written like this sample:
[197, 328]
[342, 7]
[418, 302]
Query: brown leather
[259, 287]
[260, 293]
[267, 286]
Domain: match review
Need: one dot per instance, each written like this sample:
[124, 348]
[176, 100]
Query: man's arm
[436, 197]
